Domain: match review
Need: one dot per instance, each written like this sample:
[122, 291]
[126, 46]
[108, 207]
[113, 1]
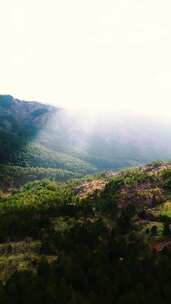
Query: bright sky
[101, 54]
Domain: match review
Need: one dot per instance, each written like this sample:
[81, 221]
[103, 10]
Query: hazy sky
[88, 53]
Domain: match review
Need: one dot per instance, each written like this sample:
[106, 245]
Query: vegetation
[60, 246]
[37, 135]
[15, 176]
[73, 239]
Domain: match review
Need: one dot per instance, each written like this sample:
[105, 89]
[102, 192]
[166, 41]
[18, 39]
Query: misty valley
[85, 206]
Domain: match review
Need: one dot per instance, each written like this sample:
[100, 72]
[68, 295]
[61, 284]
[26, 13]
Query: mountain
[20, 125]
[72, 238]
[38, 135]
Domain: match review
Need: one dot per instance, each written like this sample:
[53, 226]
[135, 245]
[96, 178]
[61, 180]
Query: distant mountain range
[38, 135]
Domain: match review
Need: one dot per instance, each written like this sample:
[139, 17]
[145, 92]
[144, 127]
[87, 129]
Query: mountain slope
[81, 242]
[37, 135]
[20, 124]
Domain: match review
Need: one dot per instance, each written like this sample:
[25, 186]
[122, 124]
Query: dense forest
[103, 238]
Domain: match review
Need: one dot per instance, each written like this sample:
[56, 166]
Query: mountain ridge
[29, 130]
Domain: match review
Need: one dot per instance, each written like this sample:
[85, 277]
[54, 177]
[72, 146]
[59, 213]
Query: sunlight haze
[93, 54]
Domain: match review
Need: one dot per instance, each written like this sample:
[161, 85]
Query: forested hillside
[20, 126]
[72, 232]
[37, 135]
[104, 239]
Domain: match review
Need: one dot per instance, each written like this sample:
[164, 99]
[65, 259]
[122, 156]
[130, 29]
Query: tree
[166, 229]
[154, 230]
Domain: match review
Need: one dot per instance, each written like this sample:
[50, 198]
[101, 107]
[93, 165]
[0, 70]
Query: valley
[36, 135]
[85, 216]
